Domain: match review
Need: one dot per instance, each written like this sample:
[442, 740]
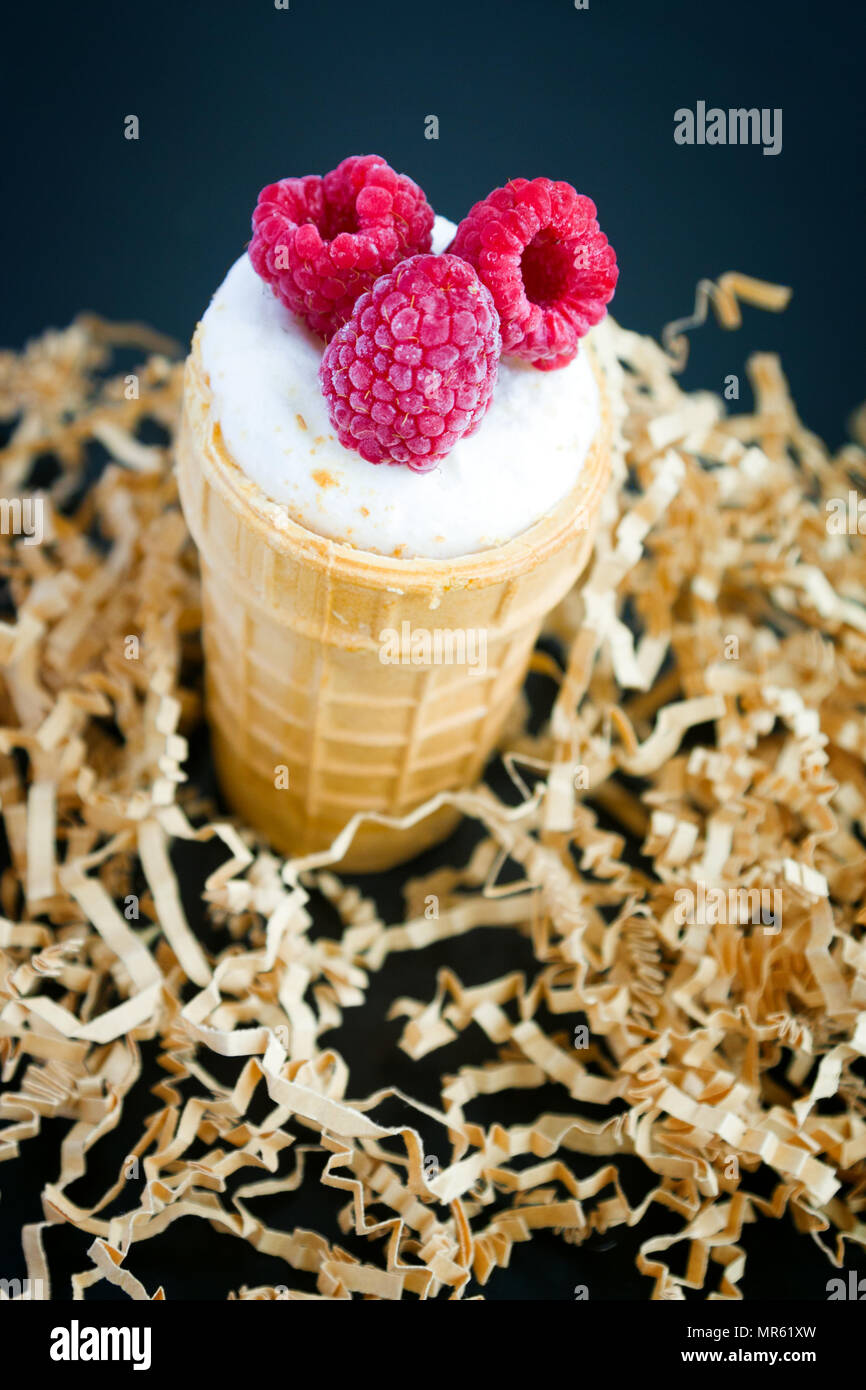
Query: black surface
[232, 95]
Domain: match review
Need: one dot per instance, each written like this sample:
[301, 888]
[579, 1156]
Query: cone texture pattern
[309, 724]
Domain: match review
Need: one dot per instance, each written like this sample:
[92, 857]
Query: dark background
[233, 95]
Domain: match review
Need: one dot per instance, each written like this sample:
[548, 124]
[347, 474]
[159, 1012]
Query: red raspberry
[414, 368]
[320, 242]
[550, 269]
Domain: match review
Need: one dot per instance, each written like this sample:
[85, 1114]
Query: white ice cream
[526, 454]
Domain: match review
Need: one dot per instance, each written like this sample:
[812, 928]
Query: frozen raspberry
[320, 242]
[414, 368]
[550, 269]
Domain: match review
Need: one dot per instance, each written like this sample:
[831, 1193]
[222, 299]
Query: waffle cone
[308, 724]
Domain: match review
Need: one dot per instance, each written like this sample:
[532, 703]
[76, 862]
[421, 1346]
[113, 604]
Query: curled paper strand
[680, 861]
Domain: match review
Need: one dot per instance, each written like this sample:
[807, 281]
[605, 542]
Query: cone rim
[493, 565]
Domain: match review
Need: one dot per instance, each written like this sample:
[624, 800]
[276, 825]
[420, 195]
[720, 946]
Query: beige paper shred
[709, 713]
[724, 296]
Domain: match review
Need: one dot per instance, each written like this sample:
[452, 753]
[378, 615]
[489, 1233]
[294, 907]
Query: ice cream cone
[312, 718]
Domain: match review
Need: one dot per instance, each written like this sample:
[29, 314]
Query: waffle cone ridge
[309, 725]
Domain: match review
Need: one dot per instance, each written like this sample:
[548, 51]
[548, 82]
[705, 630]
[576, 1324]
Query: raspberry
[414, 368]
[320, 242]
[540, 251]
